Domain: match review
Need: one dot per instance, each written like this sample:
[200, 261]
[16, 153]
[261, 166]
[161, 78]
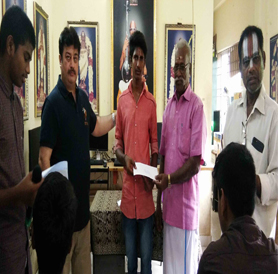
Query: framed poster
[274, 67]
[173, 33]
[22, 92]
[127, 17]
[42, 81]
[88, 77]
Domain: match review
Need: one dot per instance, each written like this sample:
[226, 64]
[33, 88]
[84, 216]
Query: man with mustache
[136, 133]
[182, 149]
[67, 122]
[253, 121]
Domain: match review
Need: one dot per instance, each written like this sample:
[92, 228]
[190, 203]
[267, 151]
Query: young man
[182, 149]
[67, 122]
[253, 121]
[17, 42]
[54, 214]
[136, 130]
[243, 247]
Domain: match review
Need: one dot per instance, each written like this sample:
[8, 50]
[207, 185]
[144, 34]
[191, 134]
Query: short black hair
[249, 30]
[137, 40]
[54, 214]
[68, 37]
[16, 23]
[235, 173]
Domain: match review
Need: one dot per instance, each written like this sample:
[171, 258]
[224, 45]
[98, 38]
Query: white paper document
[145, 170]
[61, 167]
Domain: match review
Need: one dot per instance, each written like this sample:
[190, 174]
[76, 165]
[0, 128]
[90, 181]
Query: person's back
[53, 221]
[243, 247]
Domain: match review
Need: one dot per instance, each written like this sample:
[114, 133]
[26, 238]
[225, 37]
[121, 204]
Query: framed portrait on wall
[173, 33]
[88, 77]
[274, 67]
[127, 17]
[42, 81]
[22, 92]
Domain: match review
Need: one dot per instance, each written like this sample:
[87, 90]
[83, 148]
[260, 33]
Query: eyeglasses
[249, 61]
[181, 67]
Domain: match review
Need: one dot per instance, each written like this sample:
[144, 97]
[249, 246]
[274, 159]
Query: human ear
[10, 46]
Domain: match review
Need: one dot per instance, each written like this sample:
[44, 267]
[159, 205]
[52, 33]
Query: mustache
[71, 70]
[180, 79]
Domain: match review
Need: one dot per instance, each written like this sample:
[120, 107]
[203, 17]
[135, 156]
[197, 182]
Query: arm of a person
[103, 125]
[44, 157]
[22, 194]
[267, 183]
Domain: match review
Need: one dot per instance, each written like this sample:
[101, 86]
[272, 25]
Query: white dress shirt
[259, 130]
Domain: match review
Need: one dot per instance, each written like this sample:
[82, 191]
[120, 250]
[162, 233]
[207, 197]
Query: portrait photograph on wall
[22, 92]
[127, 17]
[173, 33]
[274, 67]
[42, 83]
[88, 77]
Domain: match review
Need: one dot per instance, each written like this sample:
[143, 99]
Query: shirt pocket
[184, 136]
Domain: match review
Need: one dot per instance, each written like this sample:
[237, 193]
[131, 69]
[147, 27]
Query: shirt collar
[5, 88]
[260, 102]
[63, 88]
[130, 88]
[186, 95]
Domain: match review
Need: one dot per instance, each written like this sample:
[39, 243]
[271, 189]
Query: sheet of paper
[145, 170]
[119, 202]
[61, 167]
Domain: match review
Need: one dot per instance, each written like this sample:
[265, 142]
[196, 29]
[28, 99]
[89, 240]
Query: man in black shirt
[67, 121]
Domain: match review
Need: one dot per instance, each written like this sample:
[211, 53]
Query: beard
[180, 79]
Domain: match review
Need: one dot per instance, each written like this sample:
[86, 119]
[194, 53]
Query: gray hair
[182, 43]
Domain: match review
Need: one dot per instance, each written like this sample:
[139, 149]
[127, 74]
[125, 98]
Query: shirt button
[135, 143]
[176, 111]
[135, 180]
[136, 125]
[135, 198]
[136, 106]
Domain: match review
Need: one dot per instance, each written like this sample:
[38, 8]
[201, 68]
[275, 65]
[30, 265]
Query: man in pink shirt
[182, 148]
[136, 130]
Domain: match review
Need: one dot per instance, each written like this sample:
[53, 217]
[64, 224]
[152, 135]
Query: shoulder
[196, 100]
[54, 94]
[123, 96]
[271, 105]
[150, 97]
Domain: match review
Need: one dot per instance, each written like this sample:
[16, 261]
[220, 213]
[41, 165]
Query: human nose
[28, 68]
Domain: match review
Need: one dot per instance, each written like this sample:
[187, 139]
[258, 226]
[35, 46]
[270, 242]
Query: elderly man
[243, 247]
[182, 150]
[253, 121]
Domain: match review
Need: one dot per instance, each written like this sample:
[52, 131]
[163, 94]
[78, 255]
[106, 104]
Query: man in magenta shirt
[136, 131]
[182, 149]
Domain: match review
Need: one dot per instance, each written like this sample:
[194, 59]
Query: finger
[158, 177]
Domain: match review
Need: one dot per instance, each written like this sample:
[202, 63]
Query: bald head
[132, 27]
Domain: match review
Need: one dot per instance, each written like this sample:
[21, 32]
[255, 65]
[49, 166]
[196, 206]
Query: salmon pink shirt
[136, 135]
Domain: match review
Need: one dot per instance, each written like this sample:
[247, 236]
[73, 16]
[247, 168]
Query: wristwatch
[169, 181]
[113, 118]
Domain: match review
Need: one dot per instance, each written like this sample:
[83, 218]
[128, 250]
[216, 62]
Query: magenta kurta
[183, 136]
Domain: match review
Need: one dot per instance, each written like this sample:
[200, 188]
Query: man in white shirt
[253, 121]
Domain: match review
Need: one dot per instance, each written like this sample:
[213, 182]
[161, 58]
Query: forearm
[161, 166]
[44, 157]
[187, 171]
[103, 125]
[9, 197]
[154, 160]
[120, 156]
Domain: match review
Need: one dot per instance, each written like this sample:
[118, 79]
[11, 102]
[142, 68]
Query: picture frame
[41, 60]
[22, 92]
[274, 67]
[173, 33]
[88, 69]
[126, 17]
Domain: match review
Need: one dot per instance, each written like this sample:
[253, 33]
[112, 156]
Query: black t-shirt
[66, 127]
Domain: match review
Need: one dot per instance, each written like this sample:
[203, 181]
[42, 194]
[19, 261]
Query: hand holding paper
[145, 170]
